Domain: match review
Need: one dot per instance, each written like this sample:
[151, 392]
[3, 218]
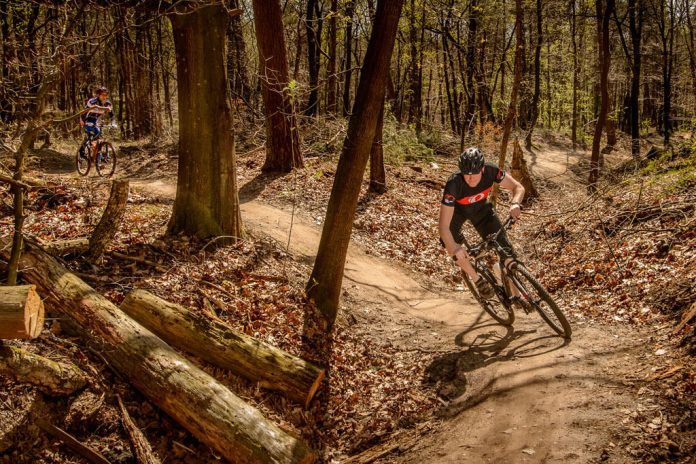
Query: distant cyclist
[466, 198]
[96, 106]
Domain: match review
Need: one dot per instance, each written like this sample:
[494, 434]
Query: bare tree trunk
[635, 17]
[470, 77]
[537, 78]
[282, 136]
[573, 37]
[314, 27]
[206, 201]
[378, 177]
[324, 285]
[603, 17]
[236, 59]
[415, 106]
[347, 71]
[332, 81]
[517, 79]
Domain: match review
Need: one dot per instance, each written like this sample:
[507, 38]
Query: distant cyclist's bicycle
[97, 150]
[532, 295]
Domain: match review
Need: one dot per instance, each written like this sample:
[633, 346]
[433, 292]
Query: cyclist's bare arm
[452, 247]
[446, 213]
[509, 183]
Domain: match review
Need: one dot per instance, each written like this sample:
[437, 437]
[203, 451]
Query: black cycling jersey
[472, 202]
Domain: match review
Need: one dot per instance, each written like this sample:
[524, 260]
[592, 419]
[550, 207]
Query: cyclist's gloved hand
[515, 210]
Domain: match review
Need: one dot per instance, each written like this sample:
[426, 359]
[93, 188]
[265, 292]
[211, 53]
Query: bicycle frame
[491, 243]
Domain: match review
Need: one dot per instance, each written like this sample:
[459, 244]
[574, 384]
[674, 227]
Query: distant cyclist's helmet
[101, 90]
[471, 161]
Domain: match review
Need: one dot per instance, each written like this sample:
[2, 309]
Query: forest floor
[419, 373]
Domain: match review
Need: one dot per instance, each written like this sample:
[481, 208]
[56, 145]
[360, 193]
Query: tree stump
[21, 312]
[520, 172]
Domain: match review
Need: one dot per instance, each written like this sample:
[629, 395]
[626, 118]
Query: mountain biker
[465, 197]
[95, 107]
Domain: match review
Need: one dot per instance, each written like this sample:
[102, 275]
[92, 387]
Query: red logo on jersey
[475, 198]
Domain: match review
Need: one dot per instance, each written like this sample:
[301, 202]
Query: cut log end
[315, 386]
[21, 312]
[34, 314]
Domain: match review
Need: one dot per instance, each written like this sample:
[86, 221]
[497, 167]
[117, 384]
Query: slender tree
[537, 77]
[332, 81]
[378, 176]
[517, 80]
[314, 27]
[347, 66]
[324, 285]
[604, 13]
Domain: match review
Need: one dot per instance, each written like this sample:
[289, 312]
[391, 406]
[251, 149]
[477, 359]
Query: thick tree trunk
[217, 344]
[206, 201]
[324, 285]
[282, 136]
[110, 220]
[21, 312]
[603, 17]
[51, 377]
[378, 176]
[194, 399]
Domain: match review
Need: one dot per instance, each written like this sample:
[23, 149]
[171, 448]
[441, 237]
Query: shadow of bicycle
[484, 342]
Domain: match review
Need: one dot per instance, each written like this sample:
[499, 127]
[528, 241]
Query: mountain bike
[530, 295]
[97, 150]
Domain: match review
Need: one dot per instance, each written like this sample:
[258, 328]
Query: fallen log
[216, 343]
[194, 399]
[51, 377]
[21, 312]
[110, 219]
[66, 247]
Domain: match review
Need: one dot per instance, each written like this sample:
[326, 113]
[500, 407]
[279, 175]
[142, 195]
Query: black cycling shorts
[485, 224]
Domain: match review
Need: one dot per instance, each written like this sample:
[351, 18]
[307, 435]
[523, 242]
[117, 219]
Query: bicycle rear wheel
[106, 159]
[494, 307]
[542, 302]
[83, 161]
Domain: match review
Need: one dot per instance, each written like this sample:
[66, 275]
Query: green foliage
[402, 144]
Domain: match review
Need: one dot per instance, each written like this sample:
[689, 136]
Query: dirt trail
[515, 394]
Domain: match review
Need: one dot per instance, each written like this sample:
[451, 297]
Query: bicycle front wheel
[537, 296]
[495, 307]
[106, 160]
[82, 160]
